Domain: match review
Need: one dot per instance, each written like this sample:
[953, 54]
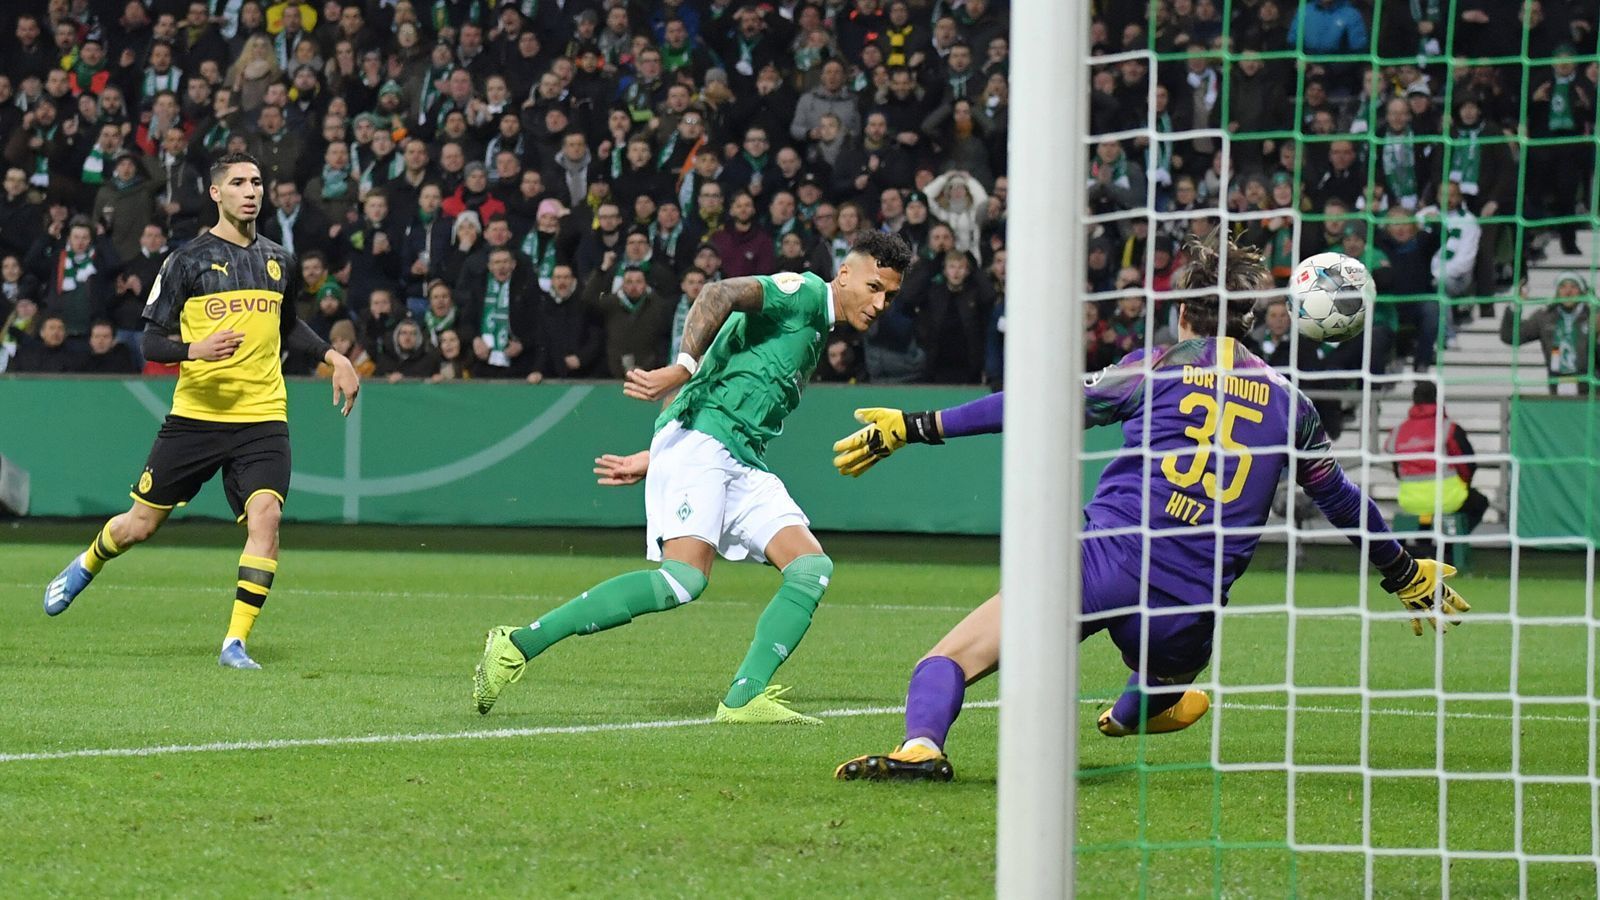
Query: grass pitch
[354, 764]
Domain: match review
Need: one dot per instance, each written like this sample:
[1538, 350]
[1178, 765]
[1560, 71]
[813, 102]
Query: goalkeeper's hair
[887, 250]
[1204, 269]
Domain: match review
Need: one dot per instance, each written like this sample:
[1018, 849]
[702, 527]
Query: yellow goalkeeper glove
[886, 431]
[1416, 586]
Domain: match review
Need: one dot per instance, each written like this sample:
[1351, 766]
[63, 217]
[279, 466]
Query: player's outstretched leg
[933, 701]
[752, 698]
[607, 605]
[1160, 713]
[116, 537]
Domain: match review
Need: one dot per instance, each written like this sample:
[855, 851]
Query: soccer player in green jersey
[749, 347]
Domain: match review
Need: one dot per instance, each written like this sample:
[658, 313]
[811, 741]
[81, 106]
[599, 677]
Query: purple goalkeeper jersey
[1219, 426]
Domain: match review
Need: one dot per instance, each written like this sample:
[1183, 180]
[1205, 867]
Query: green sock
[612, 603]
[781, 626]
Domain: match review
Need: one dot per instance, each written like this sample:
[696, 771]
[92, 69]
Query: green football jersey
[751, 377]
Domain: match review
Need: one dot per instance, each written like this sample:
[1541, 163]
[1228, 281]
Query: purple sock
[933, 700]
[1127, 706]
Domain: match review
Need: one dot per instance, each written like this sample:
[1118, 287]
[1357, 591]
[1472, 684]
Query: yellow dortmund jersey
[209, 285]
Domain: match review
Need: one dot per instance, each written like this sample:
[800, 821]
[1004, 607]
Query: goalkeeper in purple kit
[1218, 423]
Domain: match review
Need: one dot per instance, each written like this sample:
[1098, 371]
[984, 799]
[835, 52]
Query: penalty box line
[644, 725]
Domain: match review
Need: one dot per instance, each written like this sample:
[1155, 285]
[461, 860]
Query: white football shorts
[695, 488]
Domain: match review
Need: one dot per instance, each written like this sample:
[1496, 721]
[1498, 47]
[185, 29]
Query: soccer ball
[1331, 294]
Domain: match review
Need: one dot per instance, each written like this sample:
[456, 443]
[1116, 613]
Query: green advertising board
[492, 454]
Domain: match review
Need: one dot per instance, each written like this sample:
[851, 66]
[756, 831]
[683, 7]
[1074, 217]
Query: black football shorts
[252, 456]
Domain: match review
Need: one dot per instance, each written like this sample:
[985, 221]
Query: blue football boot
[234, 657]
[65, 588]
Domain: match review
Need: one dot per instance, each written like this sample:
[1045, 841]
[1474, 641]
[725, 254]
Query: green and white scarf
[1400, 167]
[439, 324]
[544, 260]
[76, 270]
[496, 324]
[670, 239]
[155, 82]
[1561, 118]
[217, 137]
[1564, 351]
[429, 92]
[673, 60]
[335, 183]
[1468, 156]
[680, 321]
[1164, 147]
[94, 167]
[41, 161]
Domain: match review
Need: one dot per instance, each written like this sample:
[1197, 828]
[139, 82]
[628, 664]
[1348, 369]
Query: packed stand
[527, 190]
[1426, 211]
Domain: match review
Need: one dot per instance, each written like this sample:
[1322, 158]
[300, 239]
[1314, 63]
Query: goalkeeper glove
[886, 431]
[1415, 582]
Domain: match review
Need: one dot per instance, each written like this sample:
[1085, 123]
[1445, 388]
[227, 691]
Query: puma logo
[220, 267]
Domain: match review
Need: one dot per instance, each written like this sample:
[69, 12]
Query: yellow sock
[255, 580]
[101, 551]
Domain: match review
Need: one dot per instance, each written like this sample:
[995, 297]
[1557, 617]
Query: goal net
[1452, 150]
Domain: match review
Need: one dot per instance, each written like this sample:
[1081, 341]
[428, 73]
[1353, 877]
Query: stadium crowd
[538, 188]
[532, 189]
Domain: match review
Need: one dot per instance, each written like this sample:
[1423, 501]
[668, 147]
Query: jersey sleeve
[1338, 498]
[1115, 393]
[790, 297]
[164, 306]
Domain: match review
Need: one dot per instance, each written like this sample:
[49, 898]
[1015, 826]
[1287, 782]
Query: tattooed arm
[711, 309]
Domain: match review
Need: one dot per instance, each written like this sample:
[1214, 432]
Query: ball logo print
[1332, 293]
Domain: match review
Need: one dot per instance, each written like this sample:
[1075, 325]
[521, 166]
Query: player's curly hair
[887, 250]
[1246, 271]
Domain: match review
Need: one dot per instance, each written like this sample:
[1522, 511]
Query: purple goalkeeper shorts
[1179, 643]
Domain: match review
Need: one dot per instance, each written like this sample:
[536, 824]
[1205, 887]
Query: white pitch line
[646, 725]
[457, 595]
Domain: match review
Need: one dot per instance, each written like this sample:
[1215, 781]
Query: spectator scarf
[94, 167]
[122, 184]
[227, 10]
[1425, 11]
[41, 161]
[85, 73]
[1561, 118]
[680, 320]
[434, 73]
[439, 324]
[155, 82]
[1164, 147]
[1204, 99]
[544, 259]
[73, 270]
[958, 83]
[1564, 348]
[1119, 171]
[496, 323]
[806, 57]
[286, 222]
[666, 241]
[779, 231]
[897, 38]
[335, 183]
[642, 265]
[1468, 155]
[673, 60]
[747, 49]
[217, 136]
[839, 248]
[1400, 166]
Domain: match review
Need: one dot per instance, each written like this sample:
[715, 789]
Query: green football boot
[502, 664]
[765, 708]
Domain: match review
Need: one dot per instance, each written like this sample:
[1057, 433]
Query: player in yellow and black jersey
[222, 306]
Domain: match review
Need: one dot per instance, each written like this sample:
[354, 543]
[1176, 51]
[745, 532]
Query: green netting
[1299, 824]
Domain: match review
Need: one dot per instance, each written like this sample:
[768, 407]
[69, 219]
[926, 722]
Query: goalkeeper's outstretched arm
[1414, 582]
